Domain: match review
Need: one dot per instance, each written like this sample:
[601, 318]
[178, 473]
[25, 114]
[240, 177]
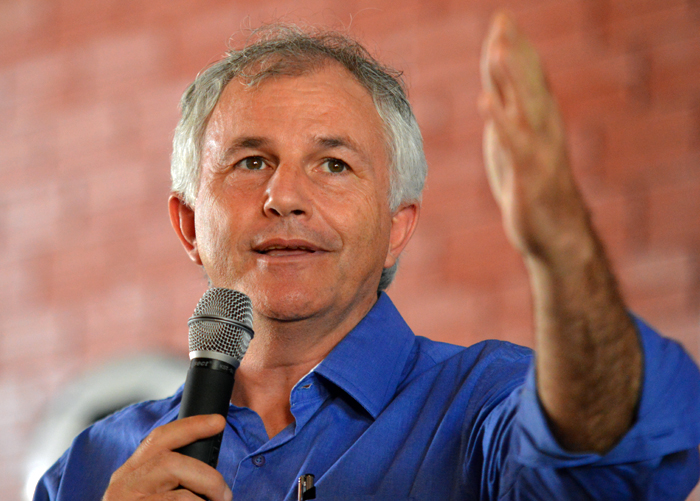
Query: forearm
[589, 361]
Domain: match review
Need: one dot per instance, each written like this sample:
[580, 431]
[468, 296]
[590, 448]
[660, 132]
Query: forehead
[327, 100]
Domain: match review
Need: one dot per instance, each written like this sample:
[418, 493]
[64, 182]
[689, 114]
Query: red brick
[419, 266]
[158, 114]
[8, 99]
[658, 274]
[481, 257]
[20, 20]
[435, 114]
[31, 219]
[675, 213]
[514, 313]
[34, 334]
[464, 316]
[449, 314]
[464, 204]
[607, 18]
[646, 141]
[676, 72]
[552, 20]
[591, 88]
[114, 321]
[41, 79]
[658, 28]
[610, 216]
[121, 62]
[195, 45]
[587, 145]
[664, 314]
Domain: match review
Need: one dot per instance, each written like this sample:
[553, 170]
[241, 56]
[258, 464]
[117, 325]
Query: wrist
[570, 249]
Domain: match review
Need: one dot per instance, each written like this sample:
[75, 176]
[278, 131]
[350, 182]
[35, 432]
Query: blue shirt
[391, 416]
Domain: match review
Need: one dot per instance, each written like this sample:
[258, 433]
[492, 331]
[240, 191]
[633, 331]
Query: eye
[251, 163]
[335, 166]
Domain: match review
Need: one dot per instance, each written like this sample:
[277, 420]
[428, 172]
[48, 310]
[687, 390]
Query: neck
[280, 354]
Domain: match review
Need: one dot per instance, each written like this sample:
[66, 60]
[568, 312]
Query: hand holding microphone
[184, 453]
[155, 471]
[220, 331]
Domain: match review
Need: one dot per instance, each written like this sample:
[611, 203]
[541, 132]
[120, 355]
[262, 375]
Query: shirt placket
[265, 463]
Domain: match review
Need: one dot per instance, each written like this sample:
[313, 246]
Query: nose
[287, 192]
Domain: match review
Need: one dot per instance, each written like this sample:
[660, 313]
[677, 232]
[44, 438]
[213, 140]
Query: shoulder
[489, 350]
[125, 429]
[102, 448]
[137, 420]
[484, 373]
[478, 359]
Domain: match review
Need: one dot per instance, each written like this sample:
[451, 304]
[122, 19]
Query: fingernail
[228, 495]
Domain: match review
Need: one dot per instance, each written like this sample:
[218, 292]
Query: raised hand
[525, 147]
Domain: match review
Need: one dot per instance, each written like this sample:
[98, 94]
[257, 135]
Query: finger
[172, 470]
[506, 130]
[529, 97]
[179, 433]
[168, 472]
[494, 38]
[493, 45]
[178, 495]
[516, 71]
[503, 83]
[494, 166]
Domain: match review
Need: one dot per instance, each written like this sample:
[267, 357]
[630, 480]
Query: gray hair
[286, 50]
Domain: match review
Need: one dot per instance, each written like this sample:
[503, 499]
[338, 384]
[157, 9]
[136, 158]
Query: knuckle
[164, 460]
[155, 436]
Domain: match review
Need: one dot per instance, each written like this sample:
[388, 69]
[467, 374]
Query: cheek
[212, 225]
[363, 223]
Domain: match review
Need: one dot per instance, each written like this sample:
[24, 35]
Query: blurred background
[92, 276]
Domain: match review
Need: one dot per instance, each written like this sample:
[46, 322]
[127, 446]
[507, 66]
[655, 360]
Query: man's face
[292, 207]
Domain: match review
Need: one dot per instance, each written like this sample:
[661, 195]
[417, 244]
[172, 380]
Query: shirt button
[259, 460]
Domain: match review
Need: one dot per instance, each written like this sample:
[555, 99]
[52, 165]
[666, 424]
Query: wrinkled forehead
[338, 91]
[279, 66]
[324, 107]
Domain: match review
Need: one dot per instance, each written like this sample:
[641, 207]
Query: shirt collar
[368, 362]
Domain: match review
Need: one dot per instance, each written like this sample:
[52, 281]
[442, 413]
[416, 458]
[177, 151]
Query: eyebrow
[333, 142]
[323, 142]
[242, 143]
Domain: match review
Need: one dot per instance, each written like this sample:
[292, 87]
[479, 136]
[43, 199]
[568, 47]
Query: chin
[279, 299]
[287, 305]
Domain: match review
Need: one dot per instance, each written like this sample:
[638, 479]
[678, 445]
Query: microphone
[220, 331]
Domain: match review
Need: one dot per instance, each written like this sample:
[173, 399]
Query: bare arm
[589, 362]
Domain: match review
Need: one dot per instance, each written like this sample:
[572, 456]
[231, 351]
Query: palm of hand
[525, 147]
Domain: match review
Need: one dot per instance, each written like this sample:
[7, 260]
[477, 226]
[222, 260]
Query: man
[297, 172]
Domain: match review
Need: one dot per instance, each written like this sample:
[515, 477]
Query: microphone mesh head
[214, 334]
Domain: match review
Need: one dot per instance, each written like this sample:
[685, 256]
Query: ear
[403, 224]
[182, 219]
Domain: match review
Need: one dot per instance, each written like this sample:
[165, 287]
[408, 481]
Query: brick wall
[88, 94]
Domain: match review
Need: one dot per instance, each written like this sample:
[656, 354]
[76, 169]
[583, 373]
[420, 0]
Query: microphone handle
[207, 391]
